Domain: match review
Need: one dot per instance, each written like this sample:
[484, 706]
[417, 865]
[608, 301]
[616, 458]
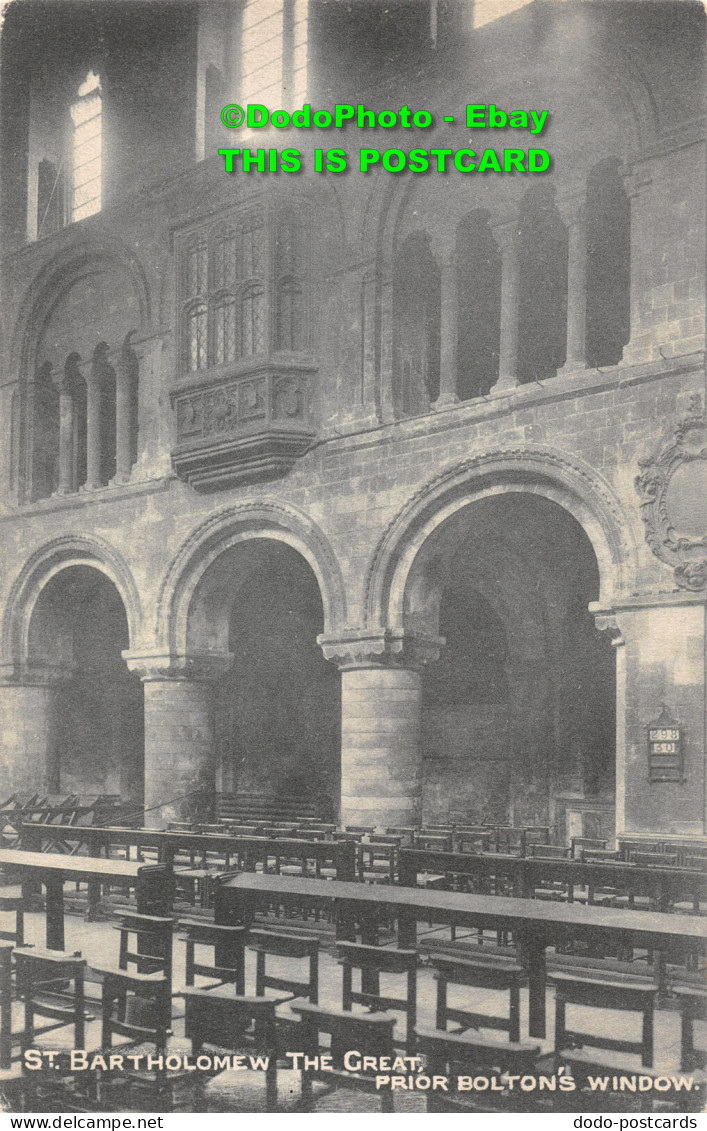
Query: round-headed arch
[552, 475]
[57, 276]
[226, 529]
[44, 564]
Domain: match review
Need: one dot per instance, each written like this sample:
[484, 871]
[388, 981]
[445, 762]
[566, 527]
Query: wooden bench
[483, 974]
[287, 946]
[371, 1035]
[373, 961]
[220, 1021]
[593, 993]
[228, 944]
[449, 1054]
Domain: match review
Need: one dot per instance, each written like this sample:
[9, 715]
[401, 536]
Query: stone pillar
[155, 419]
[507, 237]
[126, 376]
[180, 755]
[70, 381]
[29, 716]
[573, 213]
[448, 335]
[94, 386]
[386, 395]
[370, 410]
[381, 756]
[638, 181]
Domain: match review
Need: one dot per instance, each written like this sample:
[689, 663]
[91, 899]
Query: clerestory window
[86, 145]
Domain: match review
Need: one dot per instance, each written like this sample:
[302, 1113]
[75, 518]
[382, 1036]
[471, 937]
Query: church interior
[353, 532]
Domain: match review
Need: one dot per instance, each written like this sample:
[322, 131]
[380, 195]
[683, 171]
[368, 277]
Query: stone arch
[222, 531]
[552, 475]
[52, 558]
[56, 277]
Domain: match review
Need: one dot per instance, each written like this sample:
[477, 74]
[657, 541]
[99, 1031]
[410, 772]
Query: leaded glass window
[231, 271]
[224, 330]
[252, 326]
[196, 337]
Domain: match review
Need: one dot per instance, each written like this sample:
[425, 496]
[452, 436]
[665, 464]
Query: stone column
[155, 420]
[126, 376]
[94, 386]
[386, 395]
[573, 213]
[507, 237]
[448, 335]
[70, 381]
[607, 622]
[180, 756]
[638, 181]
[29, 716]
[381, 756]
[369, 411]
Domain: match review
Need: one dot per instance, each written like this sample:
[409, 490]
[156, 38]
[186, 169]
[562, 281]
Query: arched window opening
[416, 326]
[86, 149]
[478, 313]
[608, 265]
[542, 315]
[45, 433]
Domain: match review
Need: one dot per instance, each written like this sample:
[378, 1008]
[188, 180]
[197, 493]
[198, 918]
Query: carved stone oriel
[380, 648]
[672, 488]
[243, 428]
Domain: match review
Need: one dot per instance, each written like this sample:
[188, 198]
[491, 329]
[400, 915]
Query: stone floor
[244, 1091]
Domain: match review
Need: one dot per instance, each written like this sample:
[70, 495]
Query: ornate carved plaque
[673, 498]
[243, 428]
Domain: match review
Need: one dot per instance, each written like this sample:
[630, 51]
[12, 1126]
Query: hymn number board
[666, 739]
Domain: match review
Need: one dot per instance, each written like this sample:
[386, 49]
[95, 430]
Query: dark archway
[79, 627]
[278, 709]
[519, 713]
